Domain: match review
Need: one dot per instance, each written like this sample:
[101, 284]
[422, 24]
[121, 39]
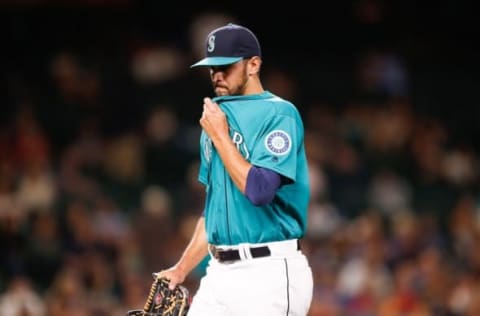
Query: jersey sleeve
[277, 146]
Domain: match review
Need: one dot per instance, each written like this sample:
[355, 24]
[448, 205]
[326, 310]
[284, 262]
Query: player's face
[230, 79]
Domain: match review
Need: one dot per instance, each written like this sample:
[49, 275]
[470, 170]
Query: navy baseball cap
[229, 44]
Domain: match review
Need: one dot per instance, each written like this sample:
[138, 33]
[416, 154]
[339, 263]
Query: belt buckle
[215, 251]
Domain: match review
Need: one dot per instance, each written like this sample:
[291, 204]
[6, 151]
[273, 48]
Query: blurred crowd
[98, 186]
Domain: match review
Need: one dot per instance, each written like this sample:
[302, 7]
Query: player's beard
[237, 88]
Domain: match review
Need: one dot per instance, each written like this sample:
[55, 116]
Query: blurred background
[99, 149]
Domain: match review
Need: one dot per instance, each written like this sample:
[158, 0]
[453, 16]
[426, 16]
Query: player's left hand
[213, 120]
[173, 274]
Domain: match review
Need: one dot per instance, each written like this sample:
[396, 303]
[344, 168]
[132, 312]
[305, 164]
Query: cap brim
[217, 61]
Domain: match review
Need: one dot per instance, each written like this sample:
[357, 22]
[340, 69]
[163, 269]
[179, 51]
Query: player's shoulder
[282, 106]
[274, 103]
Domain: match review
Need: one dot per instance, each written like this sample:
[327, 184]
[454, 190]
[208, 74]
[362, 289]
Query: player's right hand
[213, 120]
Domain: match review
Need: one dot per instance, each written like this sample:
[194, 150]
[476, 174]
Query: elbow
[261, 186]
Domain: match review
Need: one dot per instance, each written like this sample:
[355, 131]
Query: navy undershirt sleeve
[262, 184]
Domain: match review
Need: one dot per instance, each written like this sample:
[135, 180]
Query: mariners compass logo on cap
[229, 44]
[211, 43]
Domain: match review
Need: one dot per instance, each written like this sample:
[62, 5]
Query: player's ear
[254, 64]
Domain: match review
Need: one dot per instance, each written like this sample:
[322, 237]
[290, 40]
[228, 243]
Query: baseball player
[254, 169]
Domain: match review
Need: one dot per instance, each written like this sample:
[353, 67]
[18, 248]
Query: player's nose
[217, 76]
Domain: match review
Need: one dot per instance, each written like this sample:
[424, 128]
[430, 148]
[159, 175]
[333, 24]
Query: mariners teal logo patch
[278, 142]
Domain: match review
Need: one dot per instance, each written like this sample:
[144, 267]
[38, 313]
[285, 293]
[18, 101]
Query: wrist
[181, 269]
[221, 139]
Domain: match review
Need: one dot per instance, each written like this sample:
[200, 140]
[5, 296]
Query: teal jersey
[268, 131]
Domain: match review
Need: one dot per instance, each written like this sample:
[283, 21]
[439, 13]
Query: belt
[229, 255]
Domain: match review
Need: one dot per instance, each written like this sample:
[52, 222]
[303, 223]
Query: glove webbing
[153, 290]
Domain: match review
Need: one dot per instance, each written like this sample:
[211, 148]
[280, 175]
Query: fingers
[207, 101]
[208, 104]
[172, 284]
[207, 107]
[168, 275]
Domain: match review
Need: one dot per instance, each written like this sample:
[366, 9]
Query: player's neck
[254, 87]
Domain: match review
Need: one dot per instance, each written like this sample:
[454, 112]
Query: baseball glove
[162, 301]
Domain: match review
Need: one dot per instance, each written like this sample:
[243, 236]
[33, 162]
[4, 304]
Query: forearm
[196, 250]
[237, 167]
